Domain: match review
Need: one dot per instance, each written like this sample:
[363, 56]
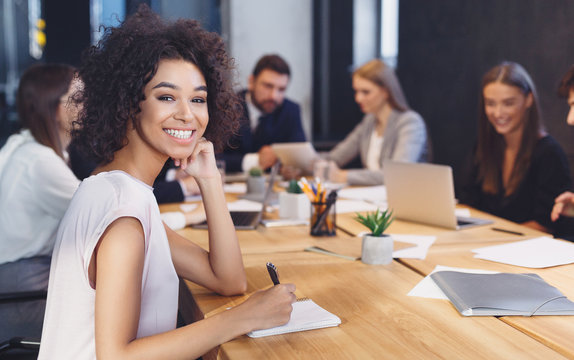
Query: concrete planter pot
[377, 250]
[255, 184]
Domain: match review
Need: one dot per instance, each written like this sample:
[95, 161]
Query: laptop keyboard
[243, 217]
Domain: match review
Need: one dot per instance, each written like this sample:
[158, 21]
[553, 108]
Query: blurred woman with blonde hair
[389, 129]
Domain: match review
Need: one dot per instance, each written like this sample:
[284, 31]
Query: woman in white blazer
[389, 129]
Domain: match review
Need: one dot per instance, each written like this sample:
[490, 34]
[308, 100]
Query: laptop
[424, 193]
[249, 220]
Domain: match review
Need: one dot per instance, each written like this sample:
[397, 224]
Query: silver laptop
[249, 220]
[424, 193]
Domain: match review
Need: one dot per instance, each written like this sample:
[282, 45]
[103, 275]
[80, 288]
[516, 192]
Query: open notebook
[502, 294]
[306, 315]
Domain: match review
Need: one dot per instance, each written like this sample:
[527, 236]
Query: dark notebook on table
[249, 220]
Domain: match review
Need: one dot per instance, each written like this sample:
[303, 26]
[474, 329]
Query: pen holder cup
[323, 219]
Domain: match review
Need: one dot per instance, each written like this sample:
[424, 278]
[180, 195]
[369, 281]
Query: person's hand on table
[336, 175]
[267, 157]
[563, 205]
[289, 172]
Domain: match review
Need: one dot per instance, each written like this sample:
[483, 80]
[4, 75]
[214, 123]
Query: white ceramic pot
[294, 206]
[255, 184]
[377, 250]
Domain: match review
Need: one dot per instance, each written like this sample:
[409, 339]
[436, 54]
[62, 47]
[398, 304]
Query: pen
[507, 231]
[273, 273]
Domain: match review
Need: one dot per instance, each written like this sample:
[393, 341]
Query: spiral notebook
[306, 315]
[502, 294]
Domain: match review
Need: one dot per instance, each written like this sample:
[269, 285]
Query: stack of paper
[373, 194]
[427, 288]
[352, 206]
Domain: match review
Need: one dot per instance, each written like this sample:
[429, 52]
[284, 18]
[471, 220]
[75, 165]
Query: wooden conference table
[378, 319]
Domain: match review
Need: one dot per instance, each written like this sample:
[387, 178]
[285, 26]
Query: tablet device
[300, 155]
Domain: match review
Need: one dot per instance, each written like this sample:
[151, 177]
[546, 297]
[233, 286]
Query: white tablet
[300, 155]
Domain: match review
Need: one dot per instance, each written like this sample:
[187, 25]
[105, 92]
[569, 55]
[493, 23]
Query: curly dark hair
[117, 69]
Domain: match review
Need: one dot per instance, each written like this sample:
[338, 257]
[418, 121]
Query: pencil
[507, 231]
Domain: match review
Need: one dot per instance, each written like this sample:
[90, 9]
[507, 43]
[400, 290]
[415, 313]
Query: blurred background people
[268, 117]
[564, 204]
[36, 186]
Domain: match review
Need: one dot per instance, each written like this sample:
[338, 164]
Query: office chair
[20, 347]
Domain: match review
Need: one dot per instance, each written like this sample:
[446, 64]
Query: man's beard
[266, 107]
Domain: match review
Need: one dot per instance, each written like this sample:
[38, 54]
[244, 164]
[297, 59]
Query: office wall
[446, 46]
[258, 27]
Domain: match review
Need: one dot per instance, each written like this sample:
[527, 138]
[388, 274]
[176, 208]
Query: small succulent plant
[377, 221]
[294, 187]
[255, 171]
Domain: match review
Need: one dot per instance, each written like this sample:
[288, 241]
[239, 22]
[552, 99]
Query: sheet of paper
[372, 194]
[188, 207]
[462, 212]
[350, 248]
[351, 206]
[428, 289]
[193, 198]
[244, 205]
[422, 242]
[235, 188]
[535, 253]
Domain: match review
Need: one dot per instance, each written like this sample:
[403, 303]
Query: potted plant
[377, 247]
[293, 204]
[255, 181]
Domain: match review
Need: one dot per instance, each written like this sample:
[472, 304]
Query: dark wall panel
[333, 60]
[67, 30]
[446, 46]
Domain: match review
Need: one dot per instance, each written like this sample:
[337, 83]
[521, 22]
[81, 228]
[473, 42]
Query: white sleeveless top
[69, 330]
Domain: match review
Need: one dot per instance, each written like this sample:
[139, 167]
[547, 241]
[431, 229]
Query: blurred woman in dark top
[518, 169]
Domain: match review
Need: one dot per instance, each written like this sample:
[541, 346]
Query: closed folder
[502, 294]
[306, 315]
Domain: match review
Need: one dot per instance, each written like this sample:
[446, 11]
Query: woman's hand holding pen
[268, 308]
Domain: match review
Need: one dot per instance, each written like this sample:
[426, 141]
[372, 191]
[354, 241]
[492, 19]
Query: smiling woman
[153, 91]
[174, 114]
[518, 168]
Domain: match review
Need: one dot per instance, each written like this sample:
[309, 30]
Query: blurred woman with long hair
[389, 130]
[518, 169]
[36, 186]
